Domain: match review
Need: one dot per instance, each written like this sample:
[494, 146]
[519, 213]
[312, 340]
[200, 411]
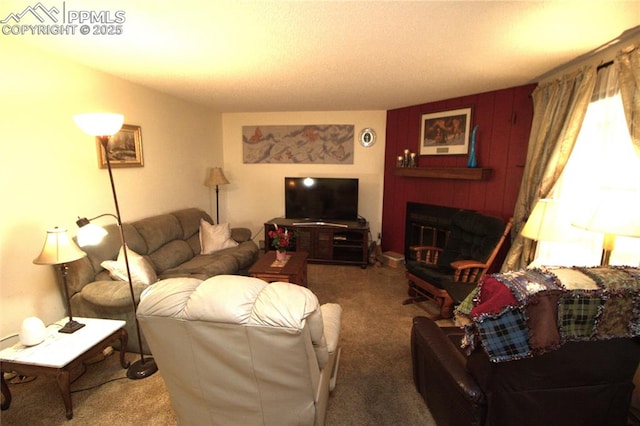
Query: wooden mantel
[467, 173]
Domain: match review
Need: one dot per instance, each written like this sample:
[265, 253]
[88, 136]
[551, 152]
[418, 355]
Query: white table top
[59, 349]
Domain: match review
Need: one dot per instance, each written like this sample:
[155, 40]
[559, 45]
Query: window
[602, 157]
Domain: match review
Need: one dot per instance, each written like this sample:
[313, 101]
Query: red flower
[281, 238]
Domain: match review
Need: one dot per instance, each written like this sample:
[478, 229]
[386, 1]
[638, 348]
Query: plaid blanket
[524, 313]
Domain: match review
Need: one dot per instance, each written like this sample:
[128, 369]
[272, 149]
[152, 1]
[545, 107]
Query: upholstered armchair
[234, 350]
[448, 274]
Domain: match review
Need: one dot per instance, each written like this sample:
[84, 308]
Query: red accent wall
[504, 118]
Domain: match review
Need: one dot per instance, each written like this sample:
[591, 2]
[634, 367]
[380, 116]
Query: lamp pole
[143, 367]
[217, 206]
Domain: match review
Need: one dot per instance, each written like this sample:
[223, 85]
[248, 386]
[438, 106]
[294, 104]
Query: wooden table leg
[64, 383]
[63, 375]
[124, 338]
[6, 393]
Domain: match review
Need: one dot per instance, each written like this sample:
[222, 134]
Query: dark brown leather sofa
[581, 383]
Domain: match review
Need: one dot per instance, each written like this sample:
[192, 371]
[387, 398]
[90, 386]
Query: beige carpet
[375, 384]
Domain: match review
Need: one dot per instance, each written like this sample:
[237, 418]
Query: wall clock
[367, 137]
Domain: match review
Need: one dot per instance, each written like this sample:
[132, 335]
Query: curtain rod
[622, 38]
[604, 65]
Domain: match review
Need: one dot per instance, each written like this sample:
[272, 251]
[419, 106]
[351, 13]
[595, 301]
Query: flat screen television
[321, 199]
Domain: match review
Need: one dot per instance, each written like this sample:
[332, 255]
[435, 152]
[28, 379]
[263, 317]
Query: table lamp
[612, 211]
[59, 249]
[548, 221]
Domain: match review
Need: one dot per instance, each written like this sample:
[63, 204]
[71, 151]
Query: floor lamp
[60, 250]
[216, 178]
[103, 126]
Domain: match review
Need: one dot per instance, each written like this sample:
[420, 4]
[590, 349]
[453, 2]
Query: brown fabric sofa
[171, 244]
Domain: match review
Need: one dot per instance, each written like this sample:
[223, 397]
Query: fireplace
[426, 225]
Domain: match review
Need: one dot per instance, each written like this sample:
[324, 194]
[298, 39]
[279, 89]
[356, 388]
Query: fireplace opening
[426, 225]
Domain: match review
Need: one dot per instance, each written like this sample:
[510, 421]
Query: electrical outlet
[261, 244]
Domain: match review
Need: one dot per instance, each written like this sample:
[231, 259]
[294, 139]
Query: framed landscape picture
[446, 132]
[124, 148]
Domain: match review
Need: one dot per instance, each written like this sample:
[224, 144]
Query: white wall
[256, 191]
[49, 170]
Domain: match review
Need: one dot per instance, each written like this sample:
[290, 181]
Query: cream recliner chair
[235, 350]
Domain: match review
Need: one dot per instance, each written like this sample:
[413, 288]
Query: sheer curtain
[603, 157]
[628, 64]
[559, 108]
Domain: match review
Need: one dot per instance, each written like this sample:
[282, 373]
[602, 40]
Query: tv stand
[336, 242]
[340, 225]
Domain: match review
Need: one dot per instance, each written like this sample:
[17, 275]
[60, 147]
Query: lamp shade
[90, 234]
[549, 221]
[58, 248]
[614, 211]
[216, 177]
[99, 124]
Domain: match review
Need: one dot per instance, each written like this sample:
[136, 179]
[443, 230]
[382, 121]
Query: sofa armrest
[240, 235]
[109, 295]
[331, 317]
[446, 357]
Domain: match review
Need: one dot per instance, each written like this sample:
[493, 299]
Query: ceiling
[248, 56]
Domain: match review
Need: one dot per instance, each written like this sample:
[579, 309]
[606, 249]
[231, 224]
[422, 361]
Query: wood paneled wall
[504, 118]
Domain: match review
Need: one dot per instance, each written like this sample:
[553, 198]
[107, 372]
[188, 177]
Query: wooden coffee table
[60, 353]
[293, 270]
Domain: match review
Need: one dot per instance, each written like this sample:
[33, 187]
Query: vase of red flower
[281, 240]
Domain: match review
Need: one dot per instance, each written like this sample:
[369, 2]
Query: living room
[51, 176]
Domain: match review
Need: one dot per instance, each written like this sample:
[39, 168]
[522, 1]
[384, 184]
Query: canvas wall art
[309, 144]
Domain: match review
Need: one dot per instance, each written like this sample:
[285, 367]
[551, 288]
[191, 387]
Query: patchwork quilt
[524, 313]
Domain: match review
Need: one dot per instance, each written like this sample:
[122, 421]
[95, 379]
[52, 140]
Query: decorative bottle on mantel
[472, 161]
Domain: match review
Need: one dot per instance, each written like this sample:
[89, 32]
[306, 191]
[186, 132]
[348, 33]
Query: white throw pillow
[215, 237]
[141, 271]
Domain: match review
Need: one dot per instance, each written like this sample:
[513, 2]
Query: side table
[60, 353]
[293, 270]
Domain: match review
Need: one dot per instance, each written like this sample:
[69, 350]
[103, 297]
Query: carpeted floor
[375, 385]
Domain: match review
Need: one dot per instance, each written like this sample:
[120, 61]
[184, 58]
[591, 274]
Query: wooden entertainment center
[335, 242]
